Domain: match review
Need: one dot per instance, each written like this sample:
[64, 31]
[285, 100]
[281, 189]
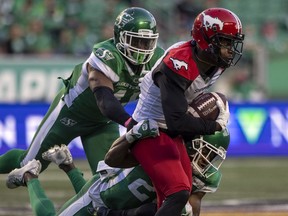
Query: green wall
[277, 78]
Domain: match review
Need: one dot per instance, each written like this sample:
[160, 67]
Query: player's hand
[224, 114]
[143, 129]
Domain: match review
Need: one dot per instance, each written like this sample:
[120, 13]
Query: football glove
[224, 114]
[143, 129]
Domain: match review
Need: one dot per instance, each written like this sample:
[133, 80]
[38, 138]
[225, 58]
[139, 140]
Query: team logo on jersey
[209, 22]
[104, 54]
[68, 122]
[179, 64]
[124, 19]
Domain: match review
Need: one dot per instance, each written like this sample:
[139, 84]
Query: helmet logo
[124, 19]
[179, 64]
[209, 22]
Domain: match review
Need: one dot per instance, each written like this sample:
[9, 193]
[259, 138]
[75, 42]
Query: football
[204, 105]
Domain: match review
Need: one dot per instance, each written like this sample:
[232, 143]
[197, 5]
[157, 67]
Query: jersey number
[133, 187]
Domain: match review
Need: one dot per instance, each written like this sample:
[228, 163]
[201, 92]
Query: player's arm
[195, 202]
[119, 154]
[172, 87]
[102, 88]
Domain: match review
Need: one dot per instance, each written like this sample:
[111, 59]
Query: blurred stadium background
[43, 40]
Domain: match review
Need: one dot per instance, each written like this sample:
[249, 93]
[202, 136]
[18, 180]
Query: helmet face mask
[215, 25]
[135, 35]
[210, 153]
[207, 156]
[234, 46]
[138, 47]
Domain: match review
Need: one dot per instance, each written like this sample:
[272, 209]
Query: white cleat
[15, 177]
[58, 155]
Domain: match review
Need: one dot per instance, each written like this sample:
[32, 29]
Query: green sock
[40, 203]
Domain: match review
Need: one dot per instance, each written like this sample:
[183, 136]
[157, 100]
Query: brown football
[205, 106]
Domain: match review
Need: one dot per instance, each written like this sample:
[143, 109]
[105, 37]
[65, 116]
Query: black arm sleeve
[109, 105]
[174, 105]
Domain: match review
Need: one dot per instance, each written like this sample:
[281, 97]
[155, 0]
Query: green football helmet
[209, 152]
[135, 35]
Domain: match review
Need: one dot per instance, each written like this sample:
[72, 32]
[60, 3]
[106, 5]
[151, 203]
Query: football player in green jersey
[103, 194]
[206, 153]
[105, 189]
[90, 105]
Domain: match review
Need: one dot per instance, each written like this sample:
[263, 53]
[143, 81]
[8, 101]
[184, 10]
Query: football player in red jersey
[186, 70]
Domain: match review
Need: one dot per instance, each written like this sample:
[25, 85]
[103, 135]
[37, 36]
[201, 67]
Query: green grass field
[253, 181]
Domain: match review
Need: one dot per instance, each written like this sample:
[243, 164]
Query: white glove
[188, 210]
[145, 128]
[224, 114]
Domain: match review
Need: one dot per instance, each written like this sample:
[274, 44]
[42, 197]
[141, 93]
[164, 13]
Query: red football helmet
[217, 28]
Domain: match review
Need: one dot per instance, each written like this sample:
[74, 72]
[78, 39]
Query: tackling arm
[119, 154]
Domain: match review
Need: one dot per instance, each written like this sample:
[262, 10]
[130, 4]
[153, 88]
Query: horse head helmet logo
[209, 22]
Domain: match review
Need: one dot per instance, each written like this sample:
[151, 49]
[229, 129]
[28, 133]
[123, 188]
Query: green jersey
[113, 188]
[107, 59]
[133, 184]
[136, 186]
